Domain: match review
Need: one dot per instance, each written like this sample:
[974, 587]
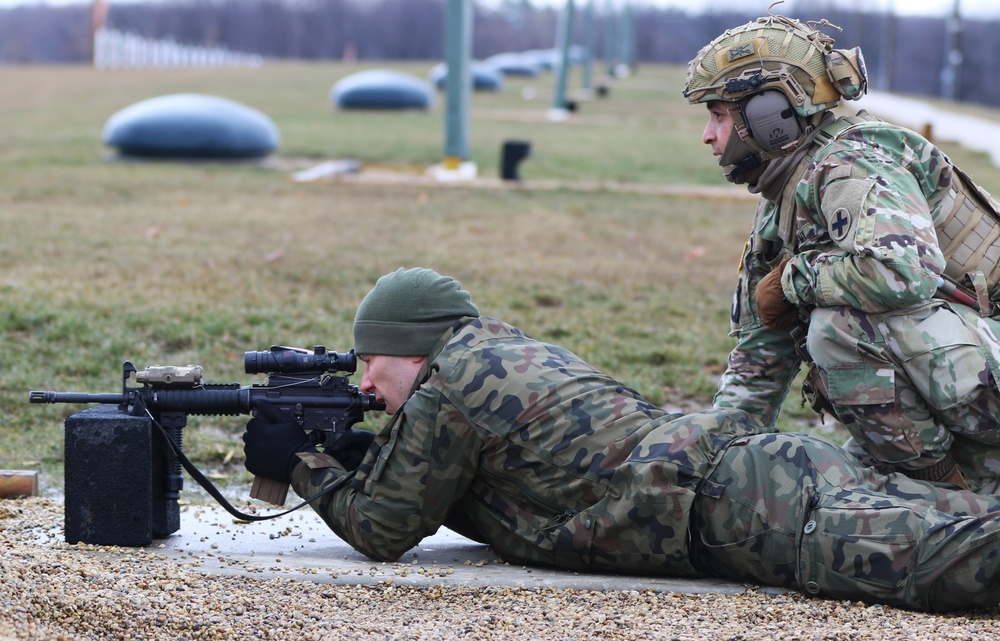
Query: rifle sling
[209, 487]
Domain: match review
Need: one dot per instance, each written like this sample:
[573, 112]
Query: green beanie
[407, 311]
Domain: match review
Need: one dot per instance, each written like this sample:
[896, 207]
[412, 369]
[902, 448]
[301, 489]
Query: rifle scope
[291, 360]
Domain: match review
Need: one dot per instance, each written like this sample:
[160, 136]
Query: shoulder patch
[843, 204]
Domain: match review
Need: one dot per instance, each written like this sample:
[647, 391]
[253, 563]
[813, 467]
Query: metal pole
[588, 48]
[627, 36]
[458, 82]
[951, 72]
[609, 39]
[565, 33]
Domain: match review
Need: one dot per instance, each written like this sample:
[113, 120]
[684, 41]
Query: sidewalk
[977, 134]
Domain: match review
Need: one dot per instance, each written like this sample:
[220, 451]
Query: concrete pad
[300, 546]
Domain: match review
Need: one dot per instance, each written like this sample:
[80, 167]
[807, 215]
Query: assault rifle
[301, 385]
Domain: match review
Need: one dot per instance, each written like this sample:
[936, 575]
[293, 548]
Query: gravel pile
[52, 590]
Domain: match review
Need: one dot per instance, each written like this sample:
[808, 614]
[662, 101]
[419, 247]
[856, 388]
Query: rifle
[301, 385]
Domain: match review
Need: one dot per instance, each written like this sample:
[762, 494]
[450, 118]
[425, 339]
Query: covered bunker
[191, 126]
[382, 89]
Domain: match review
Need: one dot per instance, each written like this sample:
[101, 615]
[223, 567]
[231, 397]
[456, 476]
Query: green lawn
[195, 263]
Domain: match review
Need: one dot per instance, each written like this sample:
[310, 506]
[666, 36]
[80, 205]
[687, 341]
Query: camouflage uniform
[912, 377]
[797, 511]
[524, 446]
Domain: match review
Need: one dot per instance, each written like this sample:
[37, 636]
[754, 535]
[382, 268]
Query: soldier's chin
[739, 161]
[740, 174]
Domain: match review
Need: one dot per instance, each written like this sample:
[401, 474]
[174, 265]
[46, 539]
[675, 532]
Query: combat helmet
[777, 76]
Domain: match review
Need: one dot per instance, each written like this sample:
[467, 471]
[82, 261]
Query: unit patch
[740, 51]
[840, 224]
[843, 204]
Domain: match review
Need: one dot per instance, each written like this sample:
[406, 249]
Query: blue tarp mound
[484, 77]
[550, 59]
[547, 59]
[191, 126]
[516, 64]
[382, 89]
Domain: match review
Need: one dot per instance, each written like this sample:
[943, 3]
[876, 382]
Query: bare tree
[44, 34]
[414, 30]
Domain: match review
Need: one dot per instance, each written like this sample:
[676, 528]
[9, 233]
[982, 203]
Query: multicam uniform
[524, 446]
[911, 376]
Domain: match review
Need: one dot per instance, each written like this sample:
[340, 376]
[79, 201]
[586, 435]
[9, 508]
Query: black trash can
[513, 152]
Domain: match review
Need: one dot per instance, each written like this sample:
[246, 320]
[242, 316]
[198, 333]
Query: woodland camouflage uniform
[522, 445]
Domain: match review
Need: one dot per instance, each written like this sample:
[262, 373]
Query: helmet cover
[778, 53]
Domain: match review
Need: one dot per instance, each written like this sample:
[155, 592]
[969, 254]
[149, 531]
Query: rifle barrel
[74, 397]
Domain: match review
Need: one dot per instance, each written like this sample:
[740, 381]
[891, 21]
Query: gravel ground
[52, 590]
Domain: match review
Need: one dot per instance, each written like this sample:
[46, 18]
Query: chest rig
[967, 224]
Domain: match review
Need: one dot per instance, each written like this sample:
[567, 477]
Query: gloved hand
[956, 478]
[944, 471]
[271, 443]
[773, 307]
[350, 447]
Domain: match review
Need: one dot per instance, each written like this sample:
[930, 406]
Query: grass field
[179, 263]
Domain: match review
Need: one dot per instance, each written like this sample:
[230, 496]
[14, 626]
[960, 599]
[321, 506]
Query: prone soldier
[522, 445]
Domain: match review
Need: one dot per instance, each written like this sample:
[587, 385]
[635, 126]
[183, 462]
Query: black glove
[271, 443]
[350, 447]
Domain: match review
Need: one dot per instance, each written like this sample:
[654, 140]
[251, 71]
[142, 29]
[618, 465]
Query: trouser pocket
[747, 518]
[855, 546]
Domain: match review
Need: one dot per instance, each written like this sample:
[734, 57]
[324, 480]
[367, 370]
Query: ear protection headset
[771, 120]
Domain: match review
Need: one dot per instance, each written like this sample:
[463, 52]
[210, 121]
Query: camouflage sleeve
[763, 364]
[418, 467]
[884, 252]
[759, 373]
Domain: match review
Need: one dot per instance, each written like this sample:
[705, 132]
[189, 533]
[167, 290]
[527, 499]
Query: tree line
[414, 30]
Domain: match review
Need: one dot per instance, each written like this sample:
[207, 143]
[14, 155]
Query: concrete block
[115, 480]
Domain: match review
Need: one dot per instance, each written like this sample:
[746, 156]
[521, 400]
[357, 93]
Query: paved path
[300, 546]
[977, 134]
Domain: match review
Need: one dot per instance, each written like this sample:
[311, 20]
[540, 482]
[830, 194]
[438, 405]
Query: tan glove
[944, 471]
[956, 478]
[773, 307]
